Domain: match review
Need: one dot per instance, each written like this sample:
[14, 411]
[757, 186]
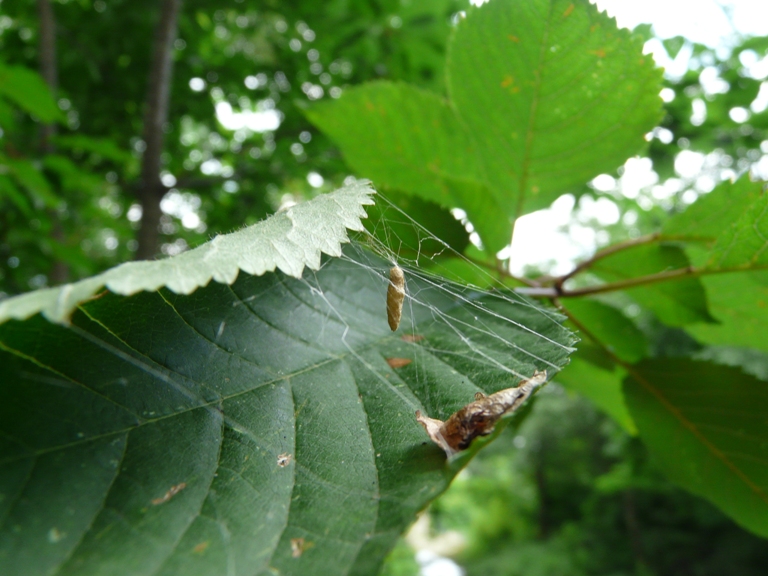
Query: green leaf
[104, 147]
[72, 177]
[9, 190]
[676, 302]
[411, 140]
[553, 93]
[745, 243]
[603, 387]
[27, 90]
[674, 45]
[289, 241]
[525, 122]
[610, 327]
[739, 303]
[715, 212]
[705, 424]
[220, 431]
[28, 176]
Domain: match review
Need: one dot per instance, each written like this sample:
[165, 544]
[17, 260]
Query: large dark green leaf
[228, 430]
[706, 426]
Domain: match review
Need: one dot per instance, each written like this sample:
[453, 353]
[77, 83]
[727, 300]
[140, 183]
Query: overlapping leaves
[542, 96]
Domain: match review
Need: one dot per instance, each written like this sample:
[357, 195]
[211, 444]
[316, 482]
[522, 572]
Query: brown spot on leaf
[200, 548]
[507, 82]
[412, 337]
[600, 53]
[299, 545]
[284, 459]
[513, 38]
[568, 10]
[398, 362]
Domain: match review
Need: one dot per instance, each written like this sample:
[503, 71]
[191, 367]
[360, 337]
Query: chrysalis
[395, 296]
[478, 418]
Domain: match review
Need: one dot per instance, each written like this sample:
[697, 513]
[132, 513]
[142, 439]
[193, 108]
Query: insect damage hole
[395, 297]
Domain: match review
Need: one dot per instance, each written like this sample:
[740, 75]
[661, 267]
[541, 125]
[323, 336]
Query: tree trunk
[59, 273]
[155, 117]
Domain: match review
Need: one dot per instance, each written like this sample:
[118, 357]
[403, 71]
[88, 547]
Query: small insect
[478, 418]
[395, 296]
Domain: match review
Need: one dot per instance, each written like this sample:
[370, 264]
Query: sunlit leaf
[412, 141]
[715, 212]
[745, 243]
[553, 93]
[527, 119]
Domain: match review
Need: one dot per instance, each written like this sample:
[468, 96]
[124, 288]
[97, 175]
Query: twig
[677, 274]
[625, 245]
[688, 271]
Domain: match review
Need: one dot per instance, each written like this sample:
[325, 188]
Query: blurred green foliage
[272, 58]
[569, 493]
